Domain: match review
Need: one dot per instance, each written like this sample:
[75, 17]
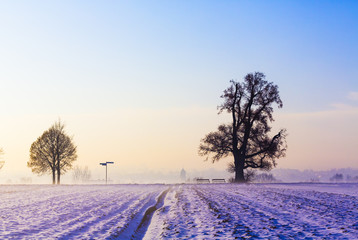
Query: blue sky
[118, 48]
[72, 58]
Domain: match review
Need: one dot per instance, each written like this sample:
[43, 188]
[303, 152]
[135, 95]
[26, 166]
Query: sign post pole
[105, 164]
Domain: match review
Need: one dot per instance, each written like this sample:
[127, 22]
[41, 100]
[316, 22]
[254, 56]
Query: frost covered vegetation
[202, 211]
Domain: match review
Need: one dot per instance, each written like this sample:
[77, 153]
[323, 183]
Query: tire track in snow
[186, 216]
[146, 220]
[285, 214]
[140, 220]
[336, 212]
[82, 214]
[273, 221]
[37, 226]
[253, 219]
[229, 223]
[89, 224]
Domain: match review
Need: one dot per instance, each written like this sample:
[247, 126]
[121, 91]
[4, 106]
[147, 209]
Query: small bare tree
[54, 151]
[81, 174]
[265, 178]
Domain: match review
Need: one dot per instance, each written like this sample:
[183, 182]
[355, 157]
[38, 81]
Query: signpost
[105, 164]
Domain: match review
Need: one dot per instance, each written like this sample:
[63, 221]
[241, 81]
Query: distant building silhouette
[183, 175]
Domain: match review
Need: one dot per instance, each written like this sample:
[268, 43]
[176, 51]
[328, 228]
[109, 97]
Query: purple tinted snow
[205, 211]
[259, 211]
[69, 212]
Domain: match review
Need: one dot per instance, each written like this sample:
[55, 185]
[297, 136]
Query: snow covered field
[204, 211]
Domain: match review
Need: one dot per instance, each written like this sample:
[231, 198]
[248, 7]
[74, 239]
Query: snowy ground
[205, 211]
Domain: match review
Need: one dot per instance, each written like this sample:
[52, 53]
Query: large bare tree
[53, 152]
[246, 137]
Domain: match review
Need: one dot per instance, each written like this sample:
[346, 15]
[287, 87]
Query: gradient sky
[138, 82]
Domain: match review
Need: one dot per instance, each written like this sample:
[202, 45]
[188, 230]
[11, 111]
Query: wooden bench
[203, 180]
[218, 180]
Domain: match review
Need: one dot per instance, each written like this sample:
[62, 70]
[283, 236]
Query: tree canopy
[52, 152]
[246, 137]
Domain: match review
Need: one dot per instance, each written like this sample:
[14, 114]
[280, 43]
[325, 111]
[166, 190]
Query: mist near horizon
[139, 83]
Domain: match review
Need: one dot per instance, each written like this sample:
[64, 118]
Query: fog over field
[168, 177]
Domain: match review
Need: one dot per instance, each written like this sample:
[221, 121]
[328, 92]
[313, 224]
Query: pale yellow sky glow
[135, 139]
[138, 82]
[321, 140]
[140, 140]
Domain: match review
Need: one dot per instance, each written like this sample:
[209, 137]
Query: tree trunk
[239, 168]
[53, 176]
[58, 176]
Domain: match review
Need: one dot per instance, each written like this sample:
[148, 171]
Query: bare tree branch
[250, 104]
